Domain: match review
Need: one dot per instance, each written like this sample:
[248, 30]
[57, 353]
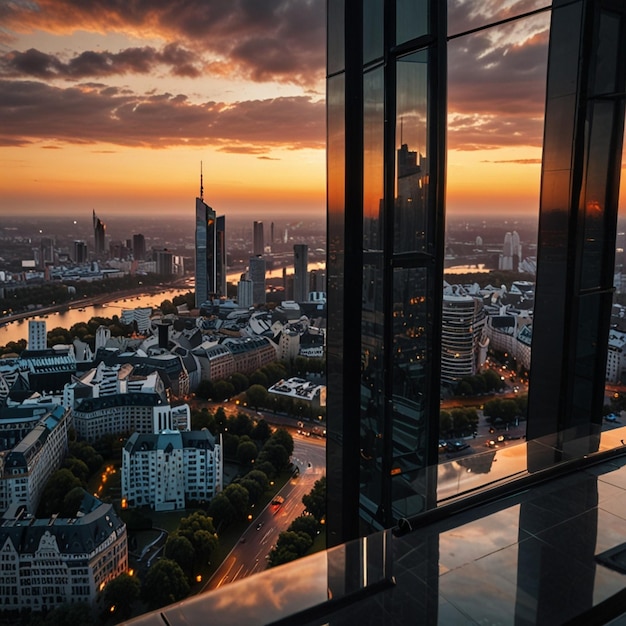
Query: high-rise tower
[258, 239]
[210, 251]
[99, 233]
[301, 272]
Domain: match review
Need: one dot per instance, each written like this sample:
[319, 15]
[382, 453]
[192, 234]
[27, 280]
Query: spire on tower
[201, 185]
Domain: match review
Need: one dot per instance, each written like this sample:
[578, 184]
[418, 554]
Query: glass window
[373, 24]
[411, 19]
[411, 188]
[373, 141]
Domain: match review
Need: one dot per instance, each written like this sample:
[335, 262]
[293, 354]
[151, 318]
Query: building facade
[301, 272]
[165, 470]
[49, 562]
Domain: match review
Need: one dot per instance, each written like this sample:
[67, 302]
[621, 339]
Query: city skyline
[112, 110]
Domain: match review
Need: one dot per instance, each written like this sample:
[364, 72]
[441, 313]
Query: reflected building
[258, 241]
[301, 272]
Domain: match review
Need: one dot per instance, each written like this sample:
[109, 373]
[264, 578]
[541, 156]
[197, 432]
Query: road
[250, 554]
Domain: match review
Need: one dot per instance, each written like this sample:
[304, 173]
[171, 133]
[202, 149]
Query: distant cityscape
[255, 315]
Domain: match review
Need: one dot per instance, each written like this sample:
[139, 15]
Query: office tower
[511, 252]
[245, 293]
[257, 237]
[46, 251]
[301, 272]
[210, 251]
[99, 232]
[386, 136]
[37, 336]
[164, 262]
[139, 247]
[220, 256]
[463, 339]
[257, 276]
[79, 252]
[272, 234]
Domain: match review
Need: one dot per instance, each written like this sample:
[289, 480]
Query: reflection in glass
[372, 386]
[412, 153]
[410, 366]
[373, 137]
[411, 19]
[372, 30]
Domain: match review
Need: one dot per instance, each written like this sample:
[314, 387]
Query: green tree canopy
[289, 543]
[59, 484]
[315, 500]
[238, 497]
[261, 431]
[164, 584]
[246, 452]
[199, 530]
[120, 594]
[284, 438]
[305, 524]
[222, 511]
[256, 396]
[180, 549]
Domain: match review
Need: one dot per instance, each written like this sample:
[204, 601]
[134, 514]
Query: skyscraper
[79, 252]
[139, 247]
[257, 276]
[301, 272]
[210, 251]
[258, 240]
[99, 233]
[37, 336]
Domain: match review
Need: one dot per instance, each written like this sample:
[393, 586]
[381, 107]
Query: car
[443, 445]
[259, 526]
[457, 446]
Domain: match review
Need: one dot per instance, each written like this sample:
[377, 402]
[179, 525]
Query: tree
[71, 502]
[289, 543]
[253, 488]
[260, 477]
[275, 453]
[256, 396]
[86, 453]
[284, 438]
[179, 549]
[120, 594]
[78, 468]
[305, 524]
[259, 377]
[445, 422]
[59, 484]
[221, 510]
[199, 530]
[262, 431]
[315, 500]
[246, 452]
[205, 389]
[238, 497]
[165, 583]
[241, 424]
[222, 390]
[239, 381]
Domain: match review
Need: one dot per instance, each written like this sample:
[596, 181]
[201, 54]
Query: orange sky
[111, 106]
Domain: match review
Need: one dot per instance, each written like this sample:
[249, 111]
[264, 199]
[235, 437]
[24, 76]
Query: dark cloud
[516, 161]
[496, 88]
[268, 40]
[92, 113]
[90, 64]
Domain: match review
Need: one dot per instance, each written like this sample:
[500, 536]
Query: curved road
[250, 554]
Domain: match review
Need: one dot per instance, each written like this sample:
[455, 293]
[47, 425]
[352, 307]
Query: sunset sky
[111, 105]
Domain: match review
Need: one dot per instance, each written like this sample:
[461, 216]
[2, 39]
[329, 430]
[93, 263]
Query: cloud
[516, 161]
[496, 86]
[90, 113]
[90, 64]
[272, 40]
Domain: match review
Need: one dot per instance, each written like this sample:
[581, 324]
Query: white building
[25, 469]
[37, 336]
[126, 413]
[245, 298]
[47, 562]
[139, 315]
[463, 339]
[163, 470]
[616, 361]
[300, 390]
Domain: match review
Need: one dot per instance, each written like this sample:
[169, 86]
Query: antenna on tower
[401, 131]
[201, 185]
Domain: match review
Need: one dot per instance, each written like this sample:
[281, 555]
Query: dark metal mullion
[389, 147]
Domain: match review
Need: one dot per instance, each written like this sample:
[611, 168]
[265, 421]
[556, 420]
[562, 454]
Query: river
[14, 331]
